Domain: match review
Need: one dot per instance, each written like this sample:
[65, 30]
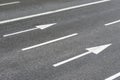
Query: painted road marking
[114, 22]
[114, 76]
[37, 27]
[45, 26]
[95, 50]
[51, 12]
[48, 42]
[10, 3]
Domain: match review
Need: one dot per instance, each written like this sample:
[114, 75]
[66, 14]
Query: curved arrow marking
[94, 50]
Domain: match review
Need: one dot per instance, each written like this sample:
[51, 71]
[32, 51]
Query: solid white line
[10, 3]
[11, 34]
[51, 12]
[114, 76]
[70, 59]
[114, 22]
[48, 42]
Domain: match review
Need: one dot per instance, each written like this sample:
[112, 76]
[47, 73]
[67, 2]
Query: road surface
[35, 35]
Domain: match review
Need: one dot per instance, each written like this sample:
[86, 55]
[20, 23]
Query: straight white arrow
[95, 50]
[45, 26]
[37, 27]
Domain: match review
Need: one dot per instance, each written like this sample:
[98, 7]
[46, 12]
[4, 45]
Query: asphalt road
[93, 25]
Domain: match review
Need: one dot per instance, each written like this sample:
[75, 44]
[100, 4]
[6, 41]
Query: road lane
[53, 18]
[51, 12]
[90, 67]
[36, 37]
[30, 7]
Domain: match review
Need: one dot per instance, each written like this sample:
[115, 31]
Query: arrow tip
[98, 49]
[45, 26]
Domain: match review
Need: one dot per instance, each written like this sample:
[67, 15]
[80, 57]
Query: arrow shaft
[71, 59]
[6, 35]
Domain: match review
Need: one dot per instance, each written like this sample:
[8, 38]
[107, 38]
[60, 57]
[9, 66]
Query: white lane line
[37, 27]
[114, 76]
[51, 12]
[10, 3]
[48, 42]
[114, 22]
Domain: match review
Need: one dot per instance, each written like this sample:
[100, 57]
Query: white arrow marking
[10, 3]
[114, 22]
[48, 42]
[45, 26]
[114, 76]
[51, 12]
[95, 50]
[37, 27]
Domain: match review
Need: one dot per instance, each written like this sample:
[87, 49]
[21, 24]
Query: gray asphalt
[36, 64]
